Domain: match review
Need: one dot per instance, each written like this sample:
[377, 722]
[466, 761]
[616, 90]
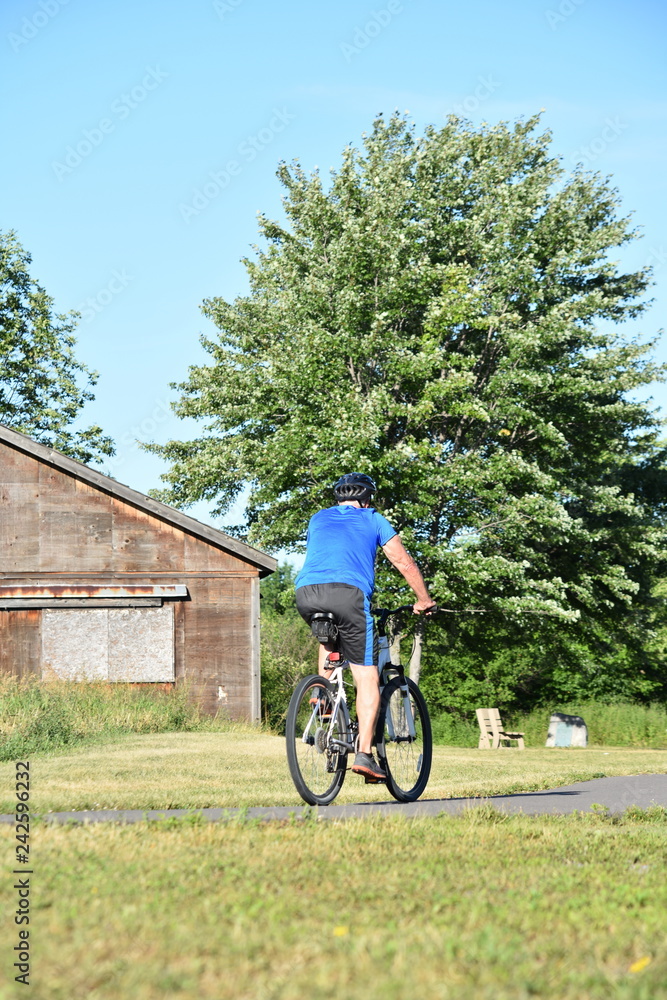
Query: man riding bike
[338, 577]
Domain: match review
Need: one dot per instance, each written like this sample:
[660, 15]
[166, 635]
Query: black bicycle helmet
[354, 486]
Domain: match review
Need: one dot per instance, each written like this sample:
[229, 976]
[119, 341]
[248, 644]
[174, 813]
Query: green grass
[246, 767]
[480, 907]
[39, 717]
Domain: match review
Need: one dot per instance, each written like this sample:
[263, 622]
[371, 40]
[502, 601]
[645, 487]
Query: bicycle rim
[317, 769]
[406, 758]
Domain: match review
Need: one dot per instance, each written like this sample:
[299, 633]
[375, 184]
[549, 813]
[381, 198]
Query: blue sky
[142, 139]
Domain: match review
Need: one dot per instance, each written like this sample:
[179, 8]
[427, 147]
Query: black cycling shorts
[352, 611]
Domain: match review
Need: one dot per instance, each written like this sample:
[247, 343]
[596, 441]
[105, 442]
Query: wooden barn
[99, 582]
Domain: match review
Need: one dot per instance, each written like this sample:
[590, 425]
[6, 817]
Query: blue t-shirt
[342, 544]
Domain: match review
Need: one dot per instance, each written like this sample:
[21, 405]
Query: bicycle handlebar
[384, 614]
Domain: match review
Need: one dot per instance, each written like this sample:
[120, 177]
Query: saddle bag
[324, 628]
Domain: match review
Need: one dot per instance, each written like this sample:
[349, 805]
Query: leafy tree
[277, 591]
[444, 317]
[40, 392]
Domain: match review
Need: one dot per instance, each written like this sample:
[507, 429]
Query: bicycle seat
[323, 626]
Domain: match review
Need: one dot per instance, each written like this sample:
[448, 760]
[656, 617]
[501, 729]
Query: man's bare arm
[400, 558]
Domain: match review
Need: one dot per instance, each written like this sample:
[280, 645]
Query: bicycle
[321, 734]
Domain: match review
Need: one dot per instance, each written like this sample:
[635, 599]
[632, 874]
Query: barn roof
[49, 456]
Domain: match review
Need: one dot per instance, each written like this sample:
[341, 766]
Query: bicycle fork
[400, 721]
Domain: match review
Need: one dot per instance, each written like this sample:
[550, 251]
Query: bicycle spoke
[312, 724]
[404, 741]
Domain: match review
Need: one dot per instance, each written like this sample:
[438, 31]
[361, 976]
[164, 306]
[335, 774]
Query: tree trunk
[415, 667]
[395, 648]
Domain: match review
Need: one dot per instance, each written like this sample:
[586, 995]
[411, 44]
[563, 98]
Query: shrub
[451, 731]
[289, 652]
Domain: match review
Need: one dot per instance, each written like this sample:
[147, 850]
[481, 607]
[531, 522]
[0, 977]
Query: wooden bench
[491, 731]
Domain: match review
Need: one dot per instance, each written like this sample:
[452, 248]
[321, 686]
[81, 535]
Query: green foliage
[288, 650]
[622, 724]
[277, 592]
[41, 717]
[452, 731]
[513, 665]
[40, 393]
[288, 653]
[443, 316]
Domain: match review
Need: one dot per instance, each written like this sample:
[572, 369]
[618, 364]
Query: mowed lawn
[248, 768]
[477, 907]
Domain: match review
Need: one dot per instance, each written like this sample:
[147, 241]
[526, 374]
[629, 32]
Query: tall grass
[625, 724]
[40, 716]
[622, 725]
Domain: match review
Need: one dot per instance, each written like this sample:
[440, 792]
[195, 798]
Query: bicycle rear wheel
[317, 767]
[405, 757]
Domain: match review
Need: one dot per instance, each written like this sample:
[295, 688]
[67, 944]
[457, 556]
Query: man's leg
[322, 669]
[367, 681]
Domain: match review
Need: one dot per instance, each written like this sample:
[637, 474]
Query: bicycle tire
[317, 772]
[407, 760]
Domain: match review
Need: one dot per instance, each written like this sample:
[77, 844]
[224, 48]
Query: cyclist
[338, 577]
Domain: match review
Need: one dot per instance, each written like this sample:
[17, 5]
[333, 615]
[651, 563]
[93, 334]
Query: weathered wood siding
[20, 643]
[52, 525]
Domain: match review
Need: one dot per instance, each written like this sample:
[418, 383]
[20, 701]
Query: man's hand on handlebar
[426, 605]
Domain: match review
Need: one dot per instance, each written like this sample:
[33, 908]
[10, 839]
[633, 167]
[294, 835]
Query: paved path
[617, 794]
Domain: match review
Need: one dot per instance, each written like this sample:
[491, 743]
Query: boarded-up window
[108, 644]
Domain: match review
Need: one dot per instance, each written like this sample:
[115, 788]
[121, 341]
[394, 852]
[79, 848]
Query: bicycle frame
[321, 735]
[387, 671]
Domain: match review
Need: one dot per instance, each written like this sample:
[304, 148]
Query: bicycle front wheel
[316, 763]
[405, 750]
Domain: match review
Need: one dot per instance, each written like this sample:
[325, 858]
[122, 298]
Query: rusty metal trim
[104, 591]
[23, 603]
